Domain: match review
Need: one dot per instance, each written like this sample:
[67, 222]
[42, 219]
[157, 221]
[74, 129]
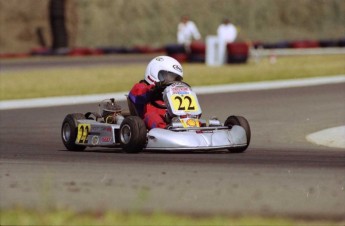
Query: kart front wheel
[133, 134]
[239, 121]
[69, 132]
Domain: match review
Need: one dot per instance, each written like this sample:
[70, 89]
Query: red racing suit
[141, 95]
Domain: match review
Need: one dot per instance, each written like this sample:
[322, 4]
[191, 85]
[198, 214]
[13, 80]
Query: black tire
[239, 121]
[133, 134]
[69, 132]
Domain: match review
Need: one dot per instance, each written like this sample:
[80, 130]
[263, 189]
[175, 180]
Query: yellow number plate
[83, 132]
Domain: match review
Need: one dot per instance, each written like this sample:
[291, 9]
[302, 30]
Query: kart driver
[160, 71]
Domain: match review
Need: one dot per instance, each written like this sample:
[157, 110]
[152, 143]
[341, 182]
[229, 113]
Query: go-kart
[186, 130]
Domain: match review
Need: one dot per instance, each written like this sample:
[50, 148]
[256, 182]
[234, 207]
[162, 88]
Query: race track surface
[280, 174]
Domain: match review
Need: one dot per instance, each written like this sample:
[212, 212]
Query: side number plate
[83, 132]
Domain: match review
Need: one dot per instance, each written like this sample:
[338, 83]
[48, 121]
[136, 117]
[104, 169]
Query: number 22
[83, 132]
[181, 101]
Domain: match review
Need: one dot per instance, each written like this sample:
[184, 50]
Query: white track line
[84, 99]
[332, 137]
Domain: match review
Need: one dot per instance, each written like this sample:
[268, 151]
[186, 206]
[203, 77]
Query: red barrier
[305, 44]
[198, 47]
[145, 49]
[238, 52]
[180, 57]
[84, 52]
[13, 55]
[197, 52]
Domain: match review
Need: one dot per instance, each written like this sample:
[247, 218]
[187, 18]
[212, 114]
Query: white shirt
[187, 31]
[227, 33]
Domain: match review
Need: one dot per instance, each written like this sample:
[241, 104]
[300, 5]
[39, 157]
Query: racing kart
[113, 127]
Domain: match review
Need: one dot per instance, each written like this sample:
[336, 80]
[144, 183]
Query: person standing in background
[187, 31]
[227, 33]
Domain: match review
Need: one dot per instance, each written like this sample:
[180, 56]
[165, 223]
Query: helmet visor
[167, 76]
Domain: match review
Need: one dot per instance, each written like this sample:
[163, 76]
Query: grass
[65, 217]
[107, 79]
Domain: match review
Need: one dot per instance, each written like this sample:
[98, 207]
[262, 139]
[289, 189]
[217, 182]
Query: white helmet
[163, 68]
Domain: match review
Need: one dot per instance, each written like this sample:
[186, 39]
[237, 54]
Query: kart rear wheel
[69, 132]
[239, 121]
[133, 134]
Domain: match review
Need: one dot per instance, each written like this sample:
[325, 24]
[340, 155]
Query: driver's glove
[160, 84]
[159, 87]
[156, 91]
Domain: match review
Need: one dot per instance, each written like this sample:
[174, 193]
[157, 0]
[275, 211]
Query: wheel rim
[126, 134]
[66, 132]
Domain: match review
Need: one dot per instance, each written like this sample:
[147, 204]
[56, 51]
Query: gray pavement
[281, 174]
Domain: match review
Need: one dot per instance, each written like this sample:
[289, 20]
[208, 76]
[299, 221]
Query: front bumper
[162, 139]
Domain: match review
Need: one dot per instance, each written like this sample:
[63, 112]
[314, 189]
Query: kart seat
[132, 110]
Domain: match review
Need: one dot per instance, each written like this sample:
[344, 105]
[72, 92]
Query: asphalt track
[281, 174]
